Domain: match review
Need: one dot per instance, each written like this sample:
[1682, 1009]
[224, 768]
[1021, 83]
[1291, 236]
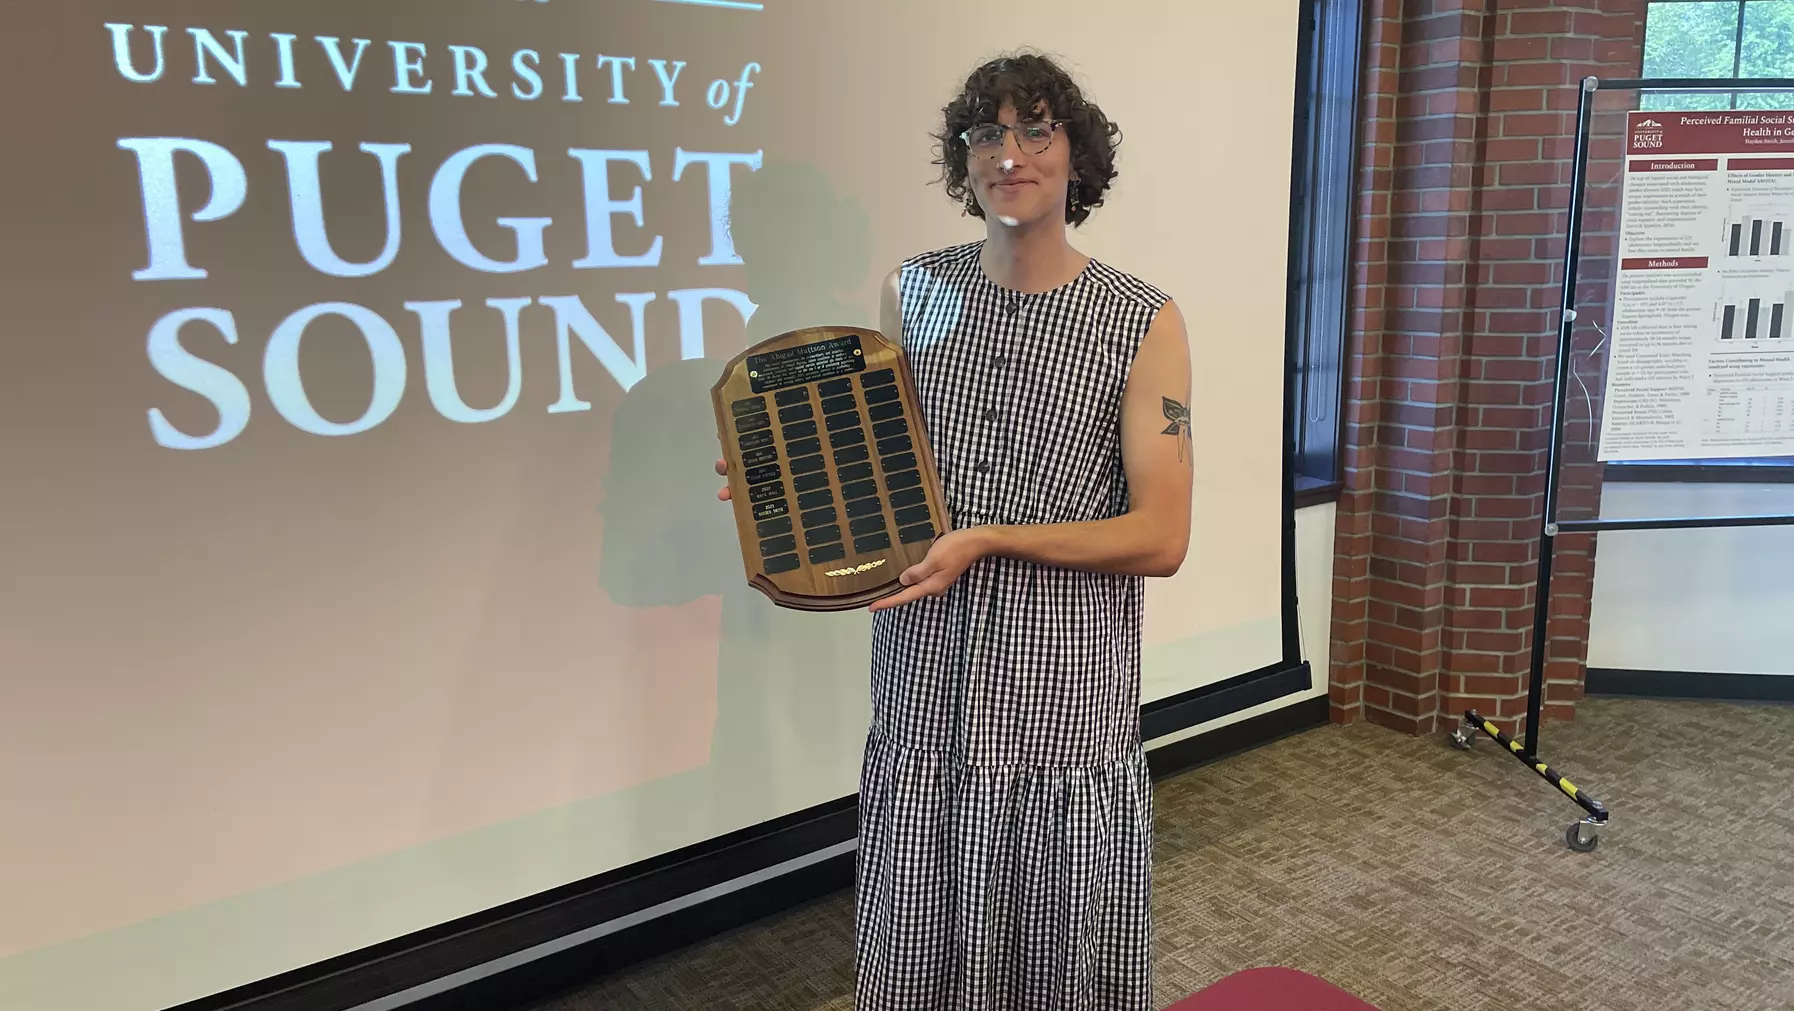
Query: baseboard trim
[1181, 756]
[541, 979]
[1224, 698]
[1663, 684]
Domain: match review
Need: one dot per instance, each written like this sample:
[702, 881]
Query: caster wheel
[1579, 842]
[1459, 740]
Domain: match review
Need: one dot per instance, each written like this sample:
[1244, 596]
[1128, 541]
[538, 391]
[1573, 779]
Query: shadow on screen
[789, 700]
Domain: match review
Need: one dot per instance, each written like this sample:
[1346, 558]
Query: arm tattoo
[1179, 416]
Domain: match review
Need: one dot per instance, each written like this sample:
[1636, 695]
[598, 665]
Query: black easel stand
[1585, 835]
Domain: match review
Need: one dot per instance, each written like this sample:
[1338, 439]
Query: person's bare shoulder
[890, 307]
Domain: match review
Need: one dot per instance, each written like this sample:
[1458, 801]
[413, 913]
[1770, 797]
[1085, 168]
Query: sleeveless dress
[1004, 858]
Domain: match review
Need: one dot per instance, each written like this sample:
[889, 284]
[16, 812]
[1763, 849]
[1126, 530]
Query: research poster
[1702, 360]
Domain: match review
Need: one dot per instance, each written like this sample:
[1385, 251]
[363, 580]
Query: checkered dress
[1005, 806]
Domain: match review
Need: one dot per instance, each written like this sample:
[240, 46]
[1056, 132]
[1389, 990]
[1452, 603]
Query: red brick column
[1468, 143]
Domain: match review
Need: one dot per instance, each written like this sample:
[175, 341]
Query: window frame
[1737, 38]
[1744, 470]
[1324, 234]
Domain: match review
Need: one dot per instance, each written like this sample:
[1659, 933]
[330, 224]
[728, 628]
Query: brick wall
[1467, 151]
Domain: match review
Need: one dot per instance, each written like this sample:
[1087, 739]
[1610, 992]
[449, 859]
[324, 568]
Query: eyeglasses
[1034, 136]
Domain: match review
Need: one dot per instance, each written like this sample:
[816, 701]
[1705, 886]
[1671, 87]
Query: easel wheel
[1579, 839]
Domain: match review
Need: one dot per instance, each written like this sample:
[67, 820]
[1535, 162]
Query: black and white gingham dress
[1005, 806]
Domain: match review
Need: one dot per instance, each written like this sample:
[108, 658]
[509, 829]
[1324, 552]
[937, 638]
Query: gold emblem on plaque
[856, 570]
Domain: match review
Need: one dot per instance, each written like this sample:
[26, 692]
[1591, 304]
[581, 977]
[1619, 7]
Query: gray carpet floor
[1415, 876]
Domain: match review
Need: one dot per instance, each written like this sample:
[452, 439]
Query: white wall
[1713, 600]
[1314, 588]
[1314, 596]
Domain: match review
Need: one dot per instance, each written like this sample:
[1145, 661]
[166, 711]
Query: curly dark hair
[1030, 81]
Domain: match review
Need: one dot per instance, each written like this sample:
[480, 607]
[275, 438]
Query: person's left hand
[948, 559]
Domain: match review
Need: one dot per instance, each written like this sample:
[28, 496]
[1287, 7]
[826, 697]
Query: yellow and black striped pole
[1473, 723]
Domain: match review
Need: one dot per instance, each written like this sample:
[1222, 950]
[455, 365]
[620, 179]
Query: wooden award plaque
[830, 472]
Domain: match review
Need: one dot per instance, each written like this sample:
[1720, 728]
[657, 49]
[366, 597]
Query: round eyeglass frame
[965, 136]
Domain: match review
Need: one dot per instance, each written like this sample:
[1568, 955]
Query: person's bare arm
[1153, 536]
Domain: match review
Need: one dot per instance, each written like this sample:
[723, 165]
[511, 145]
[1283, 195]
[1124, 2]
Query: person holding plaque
[1005, 804]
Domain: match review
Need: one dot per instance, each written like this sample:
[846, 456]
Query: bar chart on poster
[1702, 358]
[1757, 235]
[1746, 314]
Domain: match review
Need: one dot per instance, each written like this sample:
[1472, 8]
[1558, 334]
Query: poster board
[1702, 360]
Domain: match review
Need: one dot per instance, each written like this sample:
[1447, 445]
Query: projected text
[611, 221]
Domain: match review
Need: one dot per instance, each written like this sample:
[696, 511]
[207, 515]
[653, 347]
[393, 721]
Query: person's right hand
[722, 470]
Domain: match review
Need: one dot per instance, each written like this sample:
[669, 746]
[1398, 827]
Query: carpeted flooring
[1416, 877]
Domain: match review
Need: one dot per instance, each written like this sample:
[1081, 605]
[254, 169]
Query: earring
[1072, 194]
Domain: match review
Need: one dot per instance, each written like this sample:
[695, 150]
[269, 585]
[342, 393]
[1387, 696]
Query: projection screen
[363, 569]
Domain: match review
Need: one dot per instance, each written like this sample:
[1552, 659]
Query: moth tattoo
[1179, 417]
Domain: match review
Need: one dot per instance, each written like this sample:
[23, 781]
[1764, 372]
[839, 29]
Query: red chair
[1272, 989]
